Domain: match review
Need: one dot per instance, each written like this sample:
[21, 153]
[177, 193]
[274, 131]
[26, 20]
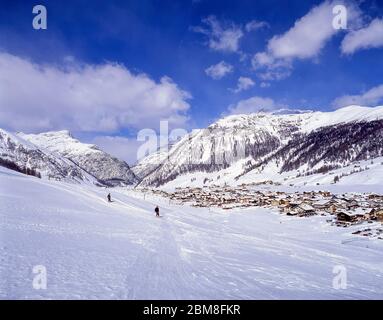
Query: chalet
[305, 209]
[351, 217]
[360, 212]
[376, 214]
[322, 204]
[339, 203]
[343, 216]
[290, 208]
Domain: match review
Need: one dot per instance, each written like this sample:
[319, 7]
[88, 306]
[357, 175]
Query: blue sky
[195, 61]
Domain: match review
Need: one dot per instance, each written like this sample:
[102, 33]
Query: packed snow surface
[93, 249]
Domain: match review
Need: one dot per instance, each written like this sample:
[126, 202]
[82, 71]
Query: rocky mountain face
[58, 155]
[149, 163]
[327, 148]
[293, 140]
[241, 145]
[19, 154]
[106, 168]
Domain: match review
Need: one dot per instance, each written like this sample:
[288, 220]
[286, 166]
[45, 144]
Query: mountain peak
[64, 133]
[87, 156]
[240, 141]
[59, 133]
[290, 111]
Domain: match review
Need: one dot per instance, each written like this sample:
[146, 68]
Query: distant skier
[157, 211]
[109, 197]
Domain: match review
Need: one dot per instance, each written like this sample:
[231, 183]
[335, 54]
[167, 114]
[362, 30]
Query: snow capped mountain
[89, 157]
[149, 163]
[240, 143]
[21, 155]
[326, 150]
[237, 148]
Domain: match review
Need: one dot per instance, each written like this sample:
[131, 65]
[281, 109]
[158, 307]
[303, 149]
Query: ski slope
[98, 250]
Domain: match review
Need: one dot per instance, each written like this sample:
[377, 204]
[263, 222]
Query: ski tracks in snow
[120, 250]
[159, 268]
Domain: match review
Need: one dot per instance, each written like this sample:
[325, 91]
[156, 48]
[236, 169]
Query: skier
[109, 197]
[157, 211]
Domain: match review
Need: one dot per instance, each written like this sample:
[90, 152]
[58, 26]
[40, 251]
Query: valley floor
[93, 249]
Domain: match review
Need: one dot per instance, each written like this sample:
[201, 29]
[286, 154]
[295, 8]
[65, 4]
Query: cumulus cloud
[253, 105]
[219, 70]
[121, 147]
[372, 97]
[85, 97]
[222, 36]
[244, 83]
[304, 40]
[364, 38]
[308, 35]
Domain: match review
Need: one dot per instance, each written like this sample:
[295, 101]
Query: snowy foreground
[92, 249]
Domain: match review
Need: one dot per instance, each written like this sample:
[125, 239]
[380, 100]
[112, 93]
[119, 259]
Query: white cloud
[308, 35]
[254, 104]
[85, 97]
[221, 36]
[304, 40]
[372, 97]
[368, 37]
[120, 147]
[219, 70]
[255, 25]
[244, 83]
[263, 59]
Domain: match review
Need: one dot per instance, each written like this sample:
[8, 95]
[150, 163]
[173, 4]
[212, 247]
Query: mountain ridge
[242, 145]
[81, 161]
[251, 137]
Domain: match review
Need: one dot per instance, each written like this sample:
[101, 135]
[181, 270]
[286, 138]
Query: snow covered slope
[98, 250]
[24, 156]
[89, 157]
[360, 176]
[149, 163]
[255, 138]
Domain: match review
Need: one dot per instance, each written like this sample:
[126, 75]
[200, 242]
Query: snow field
[96, 250]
